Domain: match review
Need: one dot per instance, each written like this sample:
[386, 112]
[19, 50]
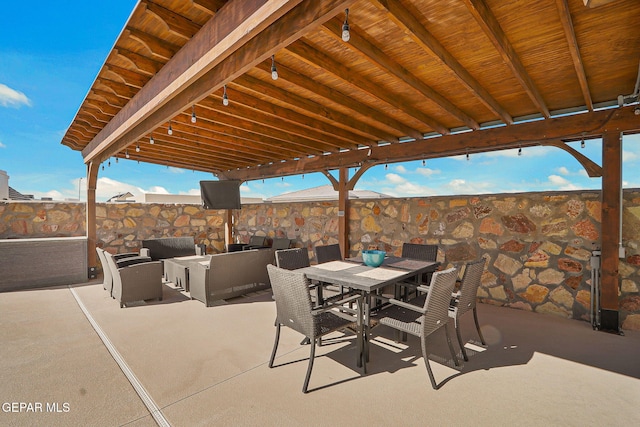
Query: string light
[137, 147]
[193, 114]
[126, 153]
[274, 70]
[386, 167]
[424, 162]
[346, 35]
[468, 158]
[116, 160]
[102, 167]
[225, 98]
[151, 140]
[170, 130]
[519, 151]
[582, 143]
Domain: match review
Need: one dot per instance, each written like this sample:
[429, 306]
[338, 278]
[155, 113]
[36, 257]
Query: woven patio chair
[281, 243]
[328, 253]
[423, 253]
[465, 299]
[294, 309]
[291, 259]
[135, 282]
[422, 321]
[121, 259]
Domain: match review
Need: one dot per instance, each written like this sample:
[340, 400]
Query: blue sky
[52, 51]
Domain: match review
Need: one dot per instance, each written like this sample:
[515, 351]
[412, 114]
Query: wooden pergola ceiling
[417, 79]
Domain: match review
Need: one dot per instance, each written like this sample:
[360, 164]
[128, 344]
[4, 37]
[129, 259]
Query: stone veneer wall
[537, 244]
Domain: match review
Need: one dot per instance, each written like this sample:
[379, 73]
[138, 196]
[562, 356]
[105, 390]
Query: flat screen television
[220, 194]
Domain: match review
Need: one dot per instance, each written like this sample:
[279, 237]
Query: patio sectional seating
[135, 281]
[170, 247]
[229, 274]
[122, 260]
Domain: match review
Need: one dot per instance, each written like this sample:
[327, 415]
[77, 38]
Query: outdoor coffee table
[176, 270]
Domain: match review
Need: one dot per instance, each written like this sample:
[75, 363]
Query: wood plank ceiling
[412, 70]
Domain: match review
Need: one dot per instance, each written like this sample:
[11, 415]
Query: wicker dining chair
[423, 253]
[422, 321]
[465, 299]
[294, 309]
[328, 253]
[281, 243]
[291, 259]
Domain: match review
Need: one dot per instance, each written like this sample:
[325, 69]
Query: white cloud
[629, 156]
[175, 170]
[401, 169]
[191, 191]
[2, 145]
[563, 170]
[427, 172]
[156, 189]
[12, 98]
[395, 178]
[562, 183]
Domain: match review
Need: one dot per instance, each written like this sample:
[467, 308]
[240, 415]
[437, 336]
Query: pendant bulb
[582, 143]
[225, 98]
[346, 35]
[274, 70]
[151, 140]
[126, 153]
[170, 130]
[193, 114]
[137, 148]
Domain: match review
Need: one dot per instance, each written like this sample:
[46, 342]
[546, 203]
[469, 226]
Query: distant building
[324, 192]
[8, 193]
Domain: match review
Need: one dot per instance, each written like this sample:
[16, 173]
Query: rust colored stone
[569, 265]
[299, 221]
[534, 247]
[461, 252]
[586, 230]
[633, 259]
[434, 215]
[181, 221]
[630, 303]
[481, 211]
[417, 240]
[595, 210]
[457, 215]
[573, 281]
[376, 210]
[574, 208]
[555, 228]
[535, 293]
[50, 228]
[490, 226]
[538, 259]
[512, 246]
[518, 223]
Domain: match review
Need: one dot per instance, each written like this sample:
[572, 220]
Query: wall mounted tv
[220, 194]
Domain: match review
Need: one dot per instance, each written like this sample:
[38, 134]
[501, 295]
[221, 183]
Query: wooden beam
[177, 24]
[315, 57]
[592, 168]
[574, 49]
[492, 29]
[343, 212]
[185, 80]
[142, 63]
[587, 125]
[367, 49]
[90, 211]
[156, 46]
[209, 6]
[132, 78]
[610, 232]
[340, 98]
[407, 20]
[312, 108]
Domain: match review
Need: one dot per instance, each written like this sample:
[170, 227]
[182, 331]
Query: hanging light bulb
[102, 167]
[151, 140]
[346, 35]
[468, 158]
[137, 147]
[225, 98]
[386, 167]
[274, 70]
[519, 151]
[116, 160]
[170, 130]
[582, 143]
[193, 114]
[424, 162]
[126, 153]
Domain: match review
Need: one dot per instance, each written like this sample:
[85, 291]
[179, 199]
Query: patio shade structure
[255, 89]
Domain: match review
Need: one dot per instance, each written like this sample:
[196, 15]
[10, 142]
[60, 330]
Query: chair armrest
[407, 306]
[124, 262]
[424, 289]
[125, 255]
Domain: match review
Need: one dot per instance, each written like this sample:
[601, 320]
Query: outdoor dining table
[354, 274]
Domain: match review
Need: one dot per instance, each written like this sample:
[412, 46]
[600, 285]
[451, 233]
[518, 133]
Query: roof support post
[92, 181]
[611, 208]
[343, 211]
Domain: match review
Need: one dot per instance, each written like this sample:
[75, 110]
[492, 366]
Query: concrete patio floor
[208, 367]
